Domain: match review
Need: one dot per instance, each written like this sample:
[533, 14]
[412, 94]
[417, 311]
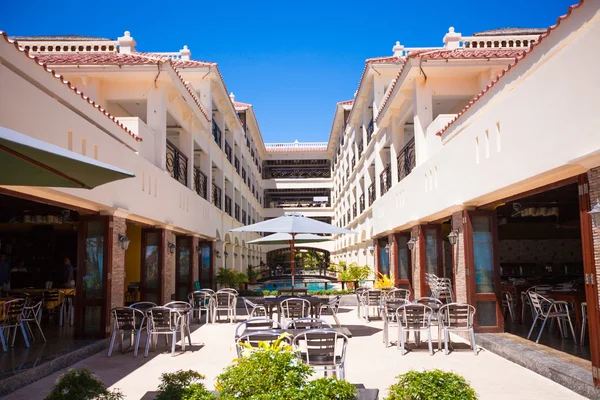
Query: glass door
[384, 258]
[403, 263]
[92, 303]
[431, 255]
[183, 270]
[151, 265]
[483, 269]
[205, 270]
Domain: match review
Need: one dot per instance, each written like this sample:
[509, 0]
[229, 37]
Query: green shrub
[230, 278]
[81, 385]
[183, 385]
[435, 384]
[355, 273]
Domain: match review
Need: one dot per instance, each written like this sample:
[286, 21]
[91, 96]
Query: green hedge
[434, 384]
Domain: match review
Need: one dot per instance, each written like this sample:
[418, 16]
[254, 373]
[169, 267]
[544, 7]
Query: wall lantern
[235, 255]
[411, 243]
[226, 254]
[371, 249]
[171, 247]
[124, 241]
[243, 256]
[387, 248]
[365, 252]
[217, 253]
[595, 213]
[453, 237]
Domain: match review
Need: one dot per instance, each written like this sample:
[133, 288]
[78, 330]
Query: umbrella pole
[293, 260]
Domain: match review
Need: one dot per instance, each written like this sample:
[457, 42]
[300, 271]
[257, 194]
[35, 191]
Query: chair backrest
[196, 285]
[335, 302]
[179, 305]
[391, 305]
[414, 316]
[308, 323]
[397, 293]
[508, 297]
[250, 306]
[429, 301]
[457, 315]
[537, 301]
[163, 319]
[127, 319]
[53, 297]
[228, 290]
[143, 306]
[322, 346]
[32, 308]
[255, 337]
[372, 297]
[359, 294]
[13, 310]
[224, 299]
[295, 308]
[200, 298]
[256, 324]
[292, 292]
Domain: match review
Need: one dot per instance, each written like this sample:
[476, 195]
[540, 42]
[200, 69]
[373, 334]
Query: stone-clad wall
[117, 281]
[594, 190]
[460, 267]
[168, 267]
[416, 259]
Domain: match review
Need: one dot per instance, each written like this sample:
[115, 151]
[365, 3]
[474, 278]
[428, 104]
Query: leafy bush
[331, 292]
[230, 278]
[81, 385]
[274, 372]
[435, 384]
[383, 281]
[355, 273]
[184, 385]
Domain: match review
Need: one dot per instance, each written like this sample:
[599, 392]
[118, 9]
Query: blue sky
[292, 60]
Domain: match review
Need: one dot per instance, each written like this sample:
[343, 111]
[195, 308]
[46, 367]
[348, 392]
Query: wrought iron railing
[200, 182]
[216, 196]
[289, 172]
[371, 193]
[360, 149]
[348, 216]
[244, 217]
[228, 205]
[385, 179]
[236, 164]
[177, 163]
[347, 174]
[361, 203]
[244, 175]
[370, 130]
[354, 210]
[228, 150]
[406, 159]
[353, 163]
[216, 133]
[237, 212]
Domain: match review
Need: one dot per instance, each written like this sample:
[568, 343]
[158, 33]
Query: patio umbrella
[294, 224]
[26, 161]
[286, 238]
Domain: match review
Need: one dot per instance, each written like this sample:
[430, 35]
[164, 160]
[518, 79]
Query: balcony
[177, 163]
[385, 179]
[216, 196]
[200, 182]
[348, 216]
[361, 203]
[244, 175]
[244, 217]
[353, 163]
[228, 205]
[353, 210]
[370, 130]
[347, 174]
[237, 212]
[236, 164]
[216, 133]
[228, 151]
[360, 149]
[406, 159]
[371, 194]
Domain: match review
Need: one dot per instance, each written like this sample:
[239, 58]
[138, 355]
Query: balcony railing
[353, 163]
[406, 159]
[348, 216]
[360, 149]
[237, 212]
[244, 217]
[300, 202]
[385, 179]
[244, 175]
[371, 193]
[236, 164]
[216, 133]
[253, 221]
[177, 163]
[216, 196]
[361, 203]
[228, 150]
[228, 209]
[370, 130]
[353, 210]
[347, 174]
[200, 182]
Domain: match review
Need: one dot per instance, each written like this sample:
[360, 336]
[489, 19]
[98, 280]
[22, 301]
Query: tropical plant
[355, 273]
[383, 281]
[184, 385]
[435, 384]
[81, 384]
[230, 278]
[253, 274]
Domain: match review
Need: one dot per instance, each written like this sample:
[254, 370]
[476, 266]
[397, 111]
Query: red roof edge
[510, 66]
[70, 86]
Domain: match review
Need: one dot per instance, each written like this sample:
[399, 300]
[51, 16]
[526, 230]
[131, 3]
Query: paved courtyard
[368, 362]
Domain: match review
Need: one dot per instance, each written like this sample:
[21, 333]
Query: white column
[423, 110]
[156, 112]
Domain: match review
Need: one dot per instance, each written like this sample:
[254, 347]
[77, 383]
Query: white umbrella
[286, 238]
[294, 224]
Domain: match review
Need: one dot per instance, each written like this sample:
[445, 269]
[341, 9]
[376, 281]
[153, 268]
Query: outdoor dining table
[570, 296]
[293, 332]
[274, 303]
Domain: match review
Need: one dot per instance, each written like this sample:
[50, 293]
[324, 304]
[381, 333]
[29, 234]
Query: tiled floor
[368, 362]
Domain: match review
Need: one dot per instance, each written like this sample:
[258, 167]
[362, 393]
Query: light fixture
[453, 237]
[411, 243]
[235, 255]
[371, 249]
[387, 248]
[365, 252]
[124, 241]
[226, 254]
[243, 256]
[595, 213]
[171, 247]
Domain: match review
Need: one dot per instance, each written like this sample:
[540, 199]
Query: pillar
[393, 260]
[168, 266]
[117, 267]
[458, 259]
[416, 262]
[194, 259]
[156, 111]
[423, 111]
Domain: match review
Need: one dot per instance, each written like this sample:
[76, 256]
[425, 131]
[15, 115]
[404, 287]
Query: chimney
[126, 43]
[185, 53]
[398, 49]
[452, 39]
[232, 97]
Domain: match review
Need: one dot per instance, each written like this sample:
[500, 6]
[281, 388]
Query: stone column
[594, 190]
[393, 260]
[117, 267]
[168, 266]
[423, 106]
[458, 259]
[416, 262]
[194, 259]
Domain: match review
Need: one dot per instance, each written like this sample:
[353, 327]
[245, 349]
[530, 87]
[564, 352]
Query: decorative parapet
[69, 46]
[499, 42]
[297, 146]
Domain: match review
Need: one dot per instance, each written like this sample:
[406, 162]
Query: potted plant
[435, 384]
[354, 274]
[81, 384]
[383, 282]
[226, 278]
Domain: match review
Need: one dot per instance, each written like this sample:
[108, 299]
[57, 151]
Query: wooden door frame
[589, 267]
[409, 255]
[423, 266]
[472, 296]
[190, 285]
[104, 302]
[161, 241]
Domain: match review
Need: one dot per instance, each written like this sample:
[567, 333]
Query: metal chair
[143, 306]
[584, 318]
[295, 308]
[331, 307]
[435, 305]
[228, 290]
[185, 311]
[550, 309]
[308, 323]
[256, 324]
[162, 321]
[389, 308]
[32, 312]
[508, 304]
[457, 317]
[359, 298]
[441, 288]
[415, 318]
[13, 310]
[372, 300]
[126, 320]
[323, 349]
[397, 293]
[54, 301]
[200, 300]
[255, 337]
[254, 309]
[224, 300]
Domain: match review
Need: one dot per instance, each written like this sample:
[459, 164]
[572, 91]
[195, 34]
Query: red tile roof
[238, 104]
[510, 66]
[178, 63]
[346, 103]
[70, 86]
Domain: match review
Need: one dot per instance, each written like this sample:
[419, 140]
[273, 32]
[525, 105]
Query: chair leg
[572, 330]
[446, 339]
[583, 326]
[112, 342]
[473, 344]
[532, 326]
[137, 342]
[541, 330]
[14, 336]
[173, 344]
[147, 344]
[3, 339]
[429, 341]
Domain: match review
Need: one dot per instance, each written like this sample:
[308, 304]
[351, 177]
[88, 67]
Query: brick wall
[194, 264]
[416, 263]
[458, 253]
[594, 190]
[168, 270]
[392, 257]
[117, 282]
